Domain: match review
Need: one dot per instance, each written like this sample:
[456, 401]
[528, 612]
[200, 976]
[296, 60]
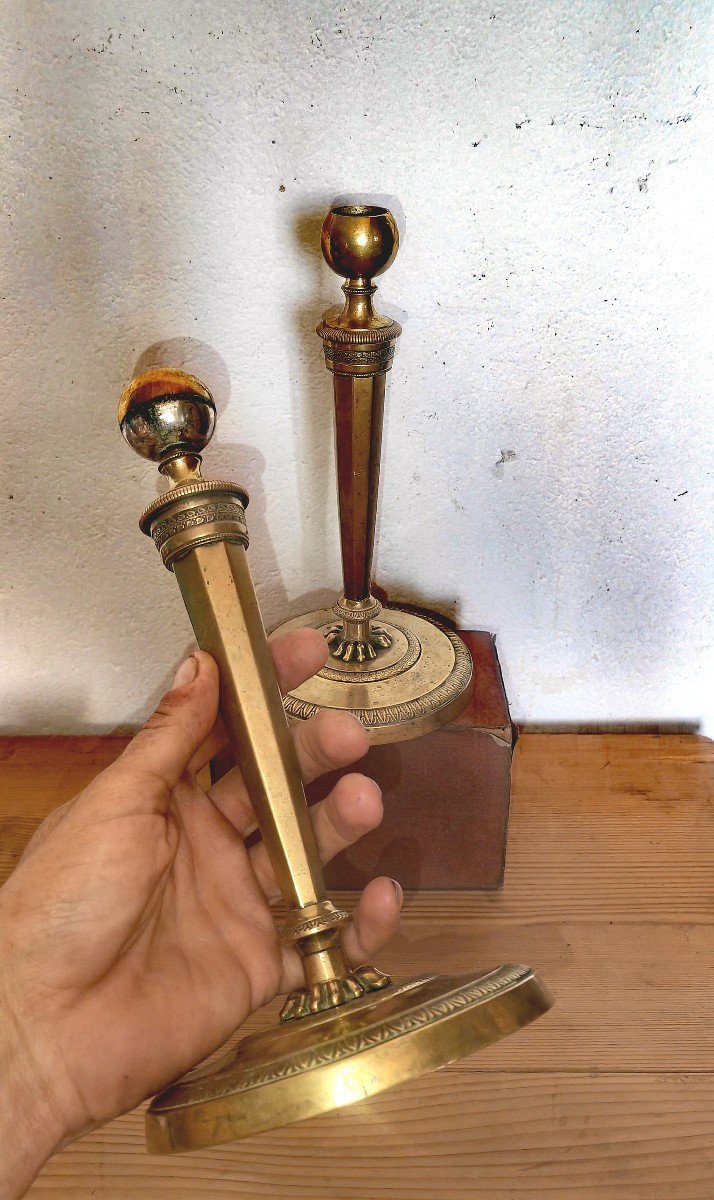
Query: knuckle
[130, 779]
[163, 714]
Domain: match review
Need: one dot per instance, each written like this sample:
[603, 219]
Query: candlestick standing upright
[399, 672]
[349, 1032]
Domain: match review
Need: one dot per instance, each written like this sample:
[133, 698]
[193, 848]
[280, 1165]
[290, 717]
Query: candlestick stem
[359, 241]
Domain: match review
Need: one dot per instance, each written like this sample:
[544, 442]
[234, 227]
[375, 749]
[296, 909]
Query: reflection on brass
[349, 1032]
[401, 674]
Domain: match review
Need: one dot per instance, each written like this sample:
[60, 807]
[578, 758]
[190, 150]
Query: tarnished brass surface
[187, 413]
[334, 1059]
[421, 681]
[348, 1033]
[396, 696]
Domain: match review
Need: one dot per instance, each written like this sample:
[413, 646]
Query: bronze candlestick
[400, 673]
[348, 1033]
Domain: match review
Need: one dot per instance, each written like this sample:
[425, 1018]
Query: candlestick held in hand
[348, 1033]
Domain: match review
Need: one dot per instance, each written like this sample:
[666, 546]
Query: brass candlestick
[348, 1033]
[400, 673]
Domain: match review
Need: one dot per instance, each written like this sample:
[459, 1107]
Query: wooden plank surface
[451, 1136]
[609, 893]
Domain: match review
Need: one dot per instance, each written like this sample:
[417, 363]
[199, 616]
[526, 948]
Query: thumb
[182, 720]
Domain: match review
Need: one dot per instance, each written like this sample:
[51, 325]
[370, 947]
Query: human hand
[136, 933]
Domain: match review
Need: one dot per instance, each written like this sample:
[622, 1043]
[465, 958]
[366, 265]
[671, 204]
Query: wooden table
[609, 893]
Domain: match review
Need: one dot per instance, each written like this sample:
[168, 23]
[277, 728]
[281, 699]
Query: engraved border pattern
[337, 354]
[204, 514]
[194, 488]
[317, 924]
[363, 612]
[358, 337]
[409, 710]
[352, 1044]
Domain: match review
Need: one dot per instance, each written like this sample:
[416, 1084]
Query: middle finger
[325, 742]
[353, 808]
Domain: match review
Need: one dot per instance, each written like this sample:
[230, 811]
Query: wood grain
[609, 893]
[450, 1136]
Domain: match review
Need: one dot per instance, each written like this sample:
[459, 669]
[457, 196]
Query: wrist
[30, 1127]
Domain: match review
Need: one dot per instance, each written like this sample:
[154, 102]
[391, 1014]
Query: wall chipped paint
[164, 170]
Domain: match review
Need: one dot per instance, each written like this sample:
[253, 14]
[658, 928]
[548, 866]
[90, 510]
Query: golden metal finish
[348, 1033]
[401, 674]
[334, 1059]
[422, 681]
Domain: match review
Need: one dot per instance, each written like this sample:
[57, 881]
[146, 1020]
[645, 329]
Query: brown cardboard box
[446, 796]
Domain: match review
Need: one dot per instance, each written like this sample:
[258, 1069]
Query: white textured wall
[164, 171]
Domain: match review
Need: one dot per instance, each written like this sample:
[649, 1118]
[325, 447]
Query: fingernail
[186, 673]
[398, 889]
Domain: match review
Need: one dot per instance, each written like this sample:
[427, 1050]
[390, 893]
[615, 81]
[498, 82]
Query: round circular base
[317, 1064]
[422, 681]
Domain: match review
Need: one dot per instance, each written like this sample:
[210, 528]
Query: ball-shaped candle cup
[164, 411]
[359, 241]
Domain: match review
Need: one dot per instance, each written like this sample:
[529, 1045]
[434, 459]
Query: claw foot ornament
[330, 993]
[357, 651]
[356, 638]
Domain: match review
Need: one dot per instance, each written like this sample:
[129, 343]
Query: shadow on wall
[196, 357]
[310, 394]
[312, 417]
[224, 460]
[31, 711]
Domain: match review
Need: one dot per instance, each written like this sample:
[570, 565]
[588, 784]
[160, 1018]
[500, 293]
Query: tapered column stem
[359, 349]
[359, 407]
[199, 527]
[220, 600]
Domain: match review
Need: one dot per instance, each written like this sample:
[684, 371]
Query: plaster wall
[546, 460]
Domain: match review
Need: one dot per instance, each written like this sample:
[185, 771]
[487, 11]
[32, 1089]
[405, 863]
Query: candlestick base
[420, 682]
[327, 1061]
